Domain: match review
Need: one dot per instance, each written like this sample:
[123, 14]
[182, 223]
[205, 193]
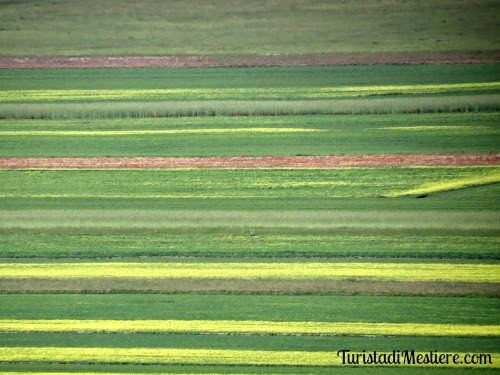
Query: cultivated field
[249, 232]
[249, 189]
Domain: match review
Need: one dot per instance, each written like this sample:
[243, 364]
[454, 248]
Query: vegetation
[246, 327]
[248, 270]
[256, 270]
[251, 136]
[195, 244]
[199, 27]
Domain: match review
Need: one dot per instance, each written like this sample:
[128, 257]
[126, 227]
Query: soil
[257, 162]
[317, 59]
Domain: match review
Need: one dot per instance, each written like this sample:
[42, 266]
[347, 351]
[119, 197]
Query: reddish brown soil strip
[332, 58]
[257, 162]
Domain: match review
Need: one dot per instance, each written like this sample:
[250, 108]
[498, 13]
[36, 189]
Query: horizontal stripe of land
[243, 93]
[112, 133]
[251, 107]
[245, 60]
[248, 287]
[471, 272]
[331, 161]
[248, 327]
[192, 356]
[196, 220]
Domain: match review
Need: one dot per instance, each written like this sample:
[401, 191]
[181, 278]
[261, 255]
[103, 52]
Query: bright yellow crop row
[187, 356]
[437, 127]
[149, 132]
[172, 356]
[449, 185]
[249, 327]
[310, 270]
[241, 93]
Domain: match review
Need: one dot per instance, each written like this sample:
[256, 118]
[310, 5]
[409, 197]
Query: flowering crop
[248, 327]
[229, 270]
[242, 93]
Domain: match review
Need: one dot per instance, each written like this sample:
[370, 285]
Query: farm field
[192, 196]
[200, 27]
[205, 239]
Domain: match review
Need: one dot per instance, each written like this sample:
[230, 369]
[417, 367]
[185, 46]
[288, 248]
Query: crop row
[207, 108]
[237, 183]
[197, 356]
[294, 93]
[113, 133]
[266, 221]
[60, 245]
[245, 77]
[188, 136]
[255, 270]
[248, 327]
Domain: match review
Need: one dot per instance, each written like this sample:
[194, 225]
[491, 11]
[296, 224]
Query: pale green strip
[236, 270]
[248, 327]
[448, 186]
[241, 93]
[317, 219]
[199, 356]
[150, 132]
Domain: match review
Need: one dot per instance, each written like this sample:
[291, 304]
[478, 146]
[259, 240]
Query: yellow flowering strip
[202, 356]
[229, 270]
[241, 93]
[170, 356]
[437, 127]
[248, 327]
[151, 132]
[448, 185]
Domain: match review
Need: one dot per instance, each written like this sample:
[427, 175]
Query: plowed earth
[257, 162]
[333, 58]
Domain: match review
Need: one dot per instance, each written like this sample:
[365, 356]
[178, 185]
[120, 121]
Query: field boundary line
[249, 60]
[327, 161]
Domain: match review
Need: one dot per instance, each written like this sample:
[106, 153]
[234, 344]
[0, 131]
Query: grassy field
[200, 27]
[247, 270]
[251, 136]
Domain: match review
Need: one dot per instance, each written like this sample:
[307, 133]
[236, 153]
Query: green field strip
[248, 327]
[482, 199]
[152, 132]
[231, 270]
[230, 183]
[249, 342]
[199, 356]
[295, 93]
[88, 246]
[248, 287]
[283, 27]
[467, 124]
[246, 77]
[369, 134]
[390, 309]
[197, 108]
[68, 221]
